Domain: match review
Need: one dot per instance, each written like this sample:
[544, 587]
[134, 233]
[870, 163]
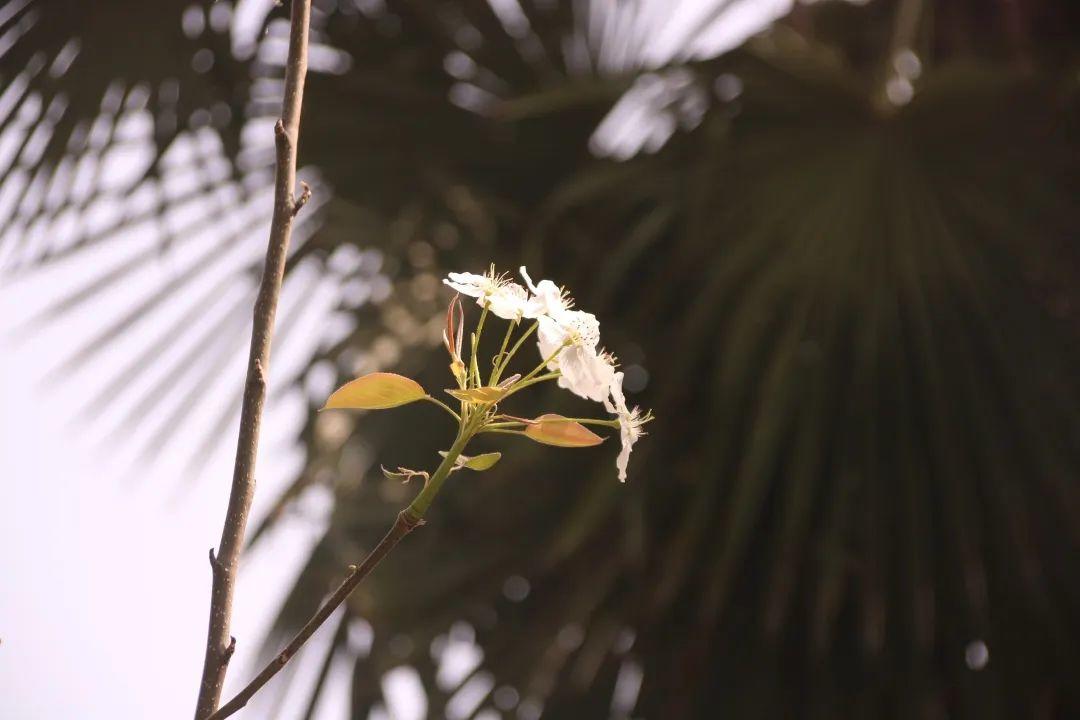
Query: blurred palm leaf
[853, 315]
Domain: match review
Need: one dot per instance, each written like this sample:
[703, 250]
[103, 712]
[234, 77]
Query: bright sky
[105, 576]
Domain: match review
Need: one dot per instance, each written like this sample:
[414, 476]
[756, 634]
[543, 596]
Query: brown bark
[219, 644]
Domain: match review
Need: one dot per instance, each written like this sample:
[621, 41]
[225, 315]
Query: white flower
[551, 299]
[512, 302]
[472, 284]
[630, 423]
[569, 340]
[502, 297]
[587, 374]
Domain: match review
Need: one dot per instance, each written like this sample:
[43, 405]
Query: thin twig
[219, 644]
[406, 522]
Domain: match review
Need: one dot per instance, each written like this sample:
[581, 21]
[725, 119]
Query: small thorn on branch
[214, 564]
[301, 201]
[282, 139]
[227, 655]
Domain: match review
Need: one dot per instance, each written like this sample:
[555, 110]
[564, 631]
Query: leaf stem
[444, 406]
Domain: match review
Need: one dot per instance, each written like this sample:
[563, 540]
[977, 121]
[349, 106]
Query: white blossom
[630, 423]
[552, 300]
[568, 342]
[512, 302]
[504, 298]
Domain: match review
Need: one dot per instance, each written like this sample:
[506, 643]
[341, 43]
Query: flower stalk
[497, 364]
[517, 346]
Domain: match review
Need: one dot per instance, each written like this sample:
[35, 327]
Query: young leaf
[376, 391]
[553, 429]
[482, 395]
[478, 462]
[455, 324]
[482, 462]
[403, 474]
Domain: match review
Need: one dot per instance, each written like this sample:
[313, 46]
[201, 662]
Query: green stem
[543, 364]
[444, 406]
[496, 370]
[517, 346]
[422, 502]
[474, 368]
[522, 384]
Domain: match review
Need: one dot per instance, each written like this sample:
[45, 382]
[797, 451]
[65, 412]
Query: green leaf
[481, 462]
[376, 391]
[478, 462]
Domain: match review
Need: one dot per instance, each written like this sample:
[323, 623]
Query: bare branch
[406, 522]
[219, 644]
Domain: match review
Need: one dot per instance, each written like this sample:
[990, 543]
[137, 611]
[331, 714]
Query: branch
[406, 522]
[219, 644]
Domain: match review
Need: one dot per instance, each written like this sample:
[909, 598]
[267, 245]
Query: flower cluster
[570, 354]
[568, 341]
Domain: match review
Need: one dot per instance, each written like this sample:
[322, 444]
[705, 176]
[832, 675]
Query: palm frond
[850, 284]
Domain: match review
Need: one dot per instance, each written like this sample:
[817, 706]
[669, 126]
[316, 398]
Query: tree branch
[406, 522]
[219, 644]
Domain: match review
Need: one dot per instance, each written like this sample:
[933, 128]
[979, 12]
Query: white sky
[105, 588]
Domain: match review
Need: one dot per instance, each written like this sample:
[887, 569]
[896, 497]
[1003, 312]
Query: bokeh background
[834, 245]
